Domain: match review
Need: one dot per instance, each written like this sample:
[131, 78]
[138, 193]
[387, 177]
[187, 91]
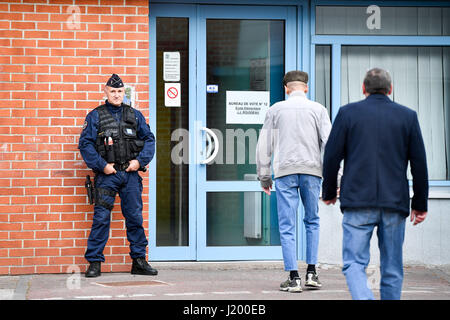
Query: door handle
[210, 153]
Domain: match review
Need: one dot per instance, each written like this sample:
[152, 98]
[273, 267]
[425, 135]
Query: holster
[89, 189]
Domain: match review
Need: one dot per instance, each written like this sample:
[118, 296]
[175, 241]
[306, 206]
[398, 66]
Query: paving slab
[214, 281]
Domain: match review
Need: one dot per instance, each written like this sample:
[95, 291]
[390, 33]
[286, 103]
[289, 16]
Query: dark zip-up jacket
[376, 138]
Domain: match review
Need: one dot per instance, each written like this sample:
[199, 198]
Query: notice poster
[171, 66]
[247, 107]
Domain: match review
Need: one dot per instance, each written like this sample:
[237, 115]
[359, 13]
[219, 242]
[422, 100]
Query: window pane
[421, 81]
[242, 55]
[323, 77]
[242, 219]
[172, 178]
[413, 21]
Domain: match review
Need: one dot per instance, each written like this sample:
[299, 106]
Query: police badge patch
[85, 125]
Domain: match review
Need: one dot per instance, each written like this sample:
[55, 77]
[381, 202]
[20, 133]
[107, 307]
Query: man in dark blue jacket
[376, 138]
[115, 143]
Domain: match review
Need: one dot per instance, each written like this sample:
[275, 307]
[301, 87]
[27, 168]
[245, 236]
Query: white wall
[426, 243]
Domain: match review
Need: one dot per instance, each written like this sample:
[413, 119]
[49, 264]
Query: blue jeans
[129, 187]
[287, 190]
[358, 225]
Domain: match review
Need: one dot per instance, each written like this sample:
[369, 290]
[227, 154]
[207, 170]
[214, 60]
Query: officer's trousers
[129, 187]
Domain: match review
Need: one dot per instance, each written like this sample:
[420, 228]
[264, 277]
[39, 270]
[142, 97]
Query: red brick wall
[52, 72]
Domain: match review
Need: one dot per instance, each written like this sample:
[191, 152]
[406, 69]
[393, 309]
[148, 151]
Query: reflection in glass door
[246, 58]
[172, 179]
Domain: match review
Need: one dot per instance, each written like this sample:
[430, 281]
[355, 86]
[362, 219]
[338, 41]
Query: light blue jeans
[287, 190]
[358, 225]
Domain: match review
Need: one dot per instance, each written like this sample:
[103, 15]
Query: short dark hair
[295, 75]
[377, 80]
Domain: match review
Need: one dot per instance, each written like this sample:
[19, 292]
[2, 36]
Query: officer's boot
[94, 269]
[141, 266]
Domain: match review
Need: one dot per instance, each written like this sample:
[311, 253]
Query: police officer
[115, 143]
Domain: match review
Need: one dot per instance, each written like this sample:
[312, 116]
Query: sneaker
[294, 285]
[312, 280]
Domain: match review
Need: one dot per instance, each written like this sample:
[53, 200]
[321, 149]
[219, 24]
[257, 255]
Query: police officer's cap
[295, 75]
[115, 81]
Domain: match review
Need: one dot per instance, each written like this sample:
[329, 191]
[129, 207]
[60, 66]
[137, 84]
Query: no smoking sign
[172, 95]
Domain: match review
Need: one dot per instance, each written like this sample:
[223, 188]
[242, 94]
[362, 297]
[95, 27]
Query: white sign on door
[172, 95]
[247, 107]
[171, 66]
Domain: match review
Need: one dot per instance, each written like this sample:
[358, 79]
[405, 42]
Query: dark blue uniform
[127, 184]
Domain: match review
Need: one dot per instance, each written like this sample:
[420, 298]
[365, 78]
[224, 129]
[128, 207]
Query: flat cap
[115, 81]
[295, 75]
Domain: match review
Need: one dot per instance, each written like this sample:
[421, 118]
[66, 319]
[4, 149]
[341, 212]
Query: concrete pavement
[214, 281]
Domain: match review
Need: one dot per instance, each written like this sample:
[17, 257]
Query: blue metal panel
[237, 2]
[436, 183]
[239, 253]
[312, 77]
[312, 29]
[335, 79]
[382, 40]
[152, 123]
[249, 186]
[303, 43]
[243, 12]
[292, 60]
[381, 3]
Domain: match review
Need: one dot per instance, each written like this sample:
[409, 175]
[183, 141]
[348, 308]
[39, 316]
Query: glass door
[242, 55]
[172, 115]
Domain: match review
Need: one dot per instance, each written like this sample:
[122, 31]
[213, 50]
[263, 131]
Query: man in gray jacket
[295, 132]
